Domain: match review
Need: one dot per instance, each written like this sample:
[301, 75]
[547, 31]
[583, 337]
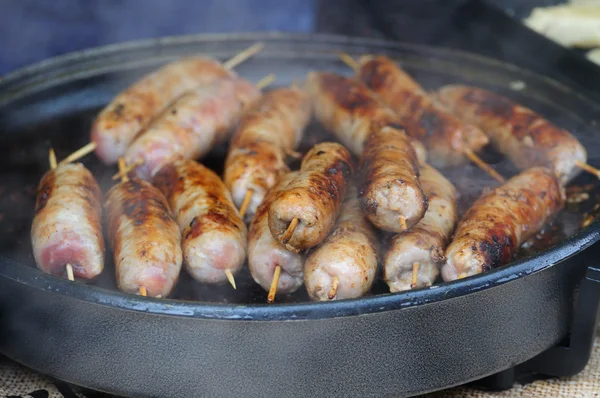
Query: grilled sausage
[426, 242]
[498, 223]
[118, 124]
[350, 111]
[270, 130]
[214, 235]
[66, 227]
[145, 239]
[389, 181]
[192, 125]
[265, 253]
[349, 253]
[525, 137]
[314, 197]
[445, 136]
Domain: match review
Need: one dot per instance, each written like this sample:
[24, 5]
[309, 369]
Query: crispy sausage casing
[525, 137]
[314, 197]
[349, 253]
[145, 239]
[265, 253]
[443, 134]
[389, 181]
[426, 242]
[192, 125]
[66, 228]
[214, 235]
[268, 131]
[492, 230]
[117, 125]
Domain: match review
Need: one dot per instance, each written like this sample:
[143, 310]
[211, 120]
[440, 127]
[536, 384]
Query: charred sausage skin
[267, 133]
[265, 253]
[492, 230]
[130, 111]
[349, 253]
[524, 136]
[426, 242]
[191, 126]
[67, 226]
[144, 237]
[444, 135]
[389, 181]
[314, 197]
[213, 233]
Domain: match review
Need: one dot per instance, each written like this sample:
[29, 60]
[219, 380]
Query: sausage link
[192, 125]
[492, 230]
[265, 253]
[524, 136]
[66, 227]
[426, 242]
[350, 111]
[214, 234]
[118, 124]
[314, 197]
[349, 253]
[145, 239]
[443, 134]
[270, 130]
[389, 181]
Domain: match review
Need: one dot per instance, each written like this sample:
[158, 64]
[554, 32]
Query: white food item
[572, 25]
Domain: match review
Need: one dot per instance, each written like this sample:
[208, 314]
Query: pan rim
[36, 279]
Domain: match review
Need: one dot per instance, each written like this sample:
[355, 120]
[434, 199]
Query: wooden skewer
[230, 278]
[70, 272]
[415, 275]
[52, 158]
[293, 154]
[81, 152]
[334, 287]
[243, 56]
[483, 165]
[265, 81]
[348, 60]
[274, 283]
[403, 223]
[246, 202]
[462, 275]
[143, 291]
[128, 168]
[122, 168]
[290, 230]
[588, 168]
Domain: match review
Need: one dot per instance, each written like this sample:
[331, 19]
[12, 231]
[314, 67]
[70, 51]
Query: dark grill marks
[45, 190]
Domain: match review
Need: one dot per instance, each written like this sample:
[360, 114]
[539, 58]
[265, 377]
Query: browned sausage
[349, 254]
[426, 242]
[492, 230]
[66, 227]
[389, 181]
[214, 235]
[268, 132]
[445, 136]
[349, 110]
[265, 253]
[144, 236]
[314, 197]
[524, 136]
[122, 119]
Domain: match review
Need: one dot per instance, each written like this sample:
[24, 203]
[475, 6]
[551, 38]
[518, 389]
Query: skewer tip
[588, 168]
[81, 152]
[123, 170]
[246, 202]
[52, 158]
[243, 55]
[290, 230]
[334, 287]
[348, 60]
[415, 276]
[473, 157]
[230, 278]
[403, 223]
[274, 283]
[265, 81]
[143, 291]
[70, 272]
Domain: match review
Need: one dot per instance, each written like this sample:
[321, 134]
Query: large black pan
[383, 345]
